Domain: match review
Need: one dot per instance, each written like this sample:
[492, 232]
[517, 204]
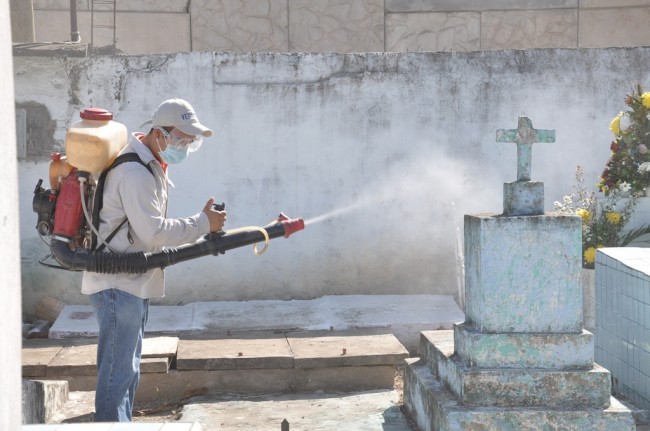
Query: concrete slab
[318, 349]
[79, 321]
[36, 354]
[404, 315]
[154, 365]
[157, 354]
[234, 353]
[79, 358]
[159, 347]
[59, 358]
[252, 363]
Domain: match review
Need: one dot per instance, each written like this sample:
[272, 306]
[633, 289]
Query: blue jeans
[121, 317]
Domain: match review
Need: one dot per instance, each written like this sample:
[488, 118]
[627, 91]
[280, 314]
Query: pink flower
[642, 149]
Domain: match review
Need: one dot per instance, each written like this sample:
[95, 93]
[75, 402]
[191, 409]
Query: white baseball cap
[179, 114]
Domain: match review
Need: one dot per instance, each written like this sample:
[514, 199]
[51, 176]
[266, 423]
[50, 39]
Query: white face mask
[175, 152]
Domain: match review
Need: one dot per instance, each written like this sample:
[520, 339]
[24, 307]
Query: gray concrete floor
[372, 411]
[375, 410]
[378, 410]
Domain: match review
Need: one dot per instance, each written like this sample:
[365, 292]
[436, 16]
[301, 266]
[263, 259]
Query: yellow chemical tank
[59, 170]
[93, 143]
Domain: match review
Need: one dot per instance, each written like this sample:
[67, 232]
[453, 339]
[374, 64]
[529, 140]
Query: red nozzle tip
[292, 225]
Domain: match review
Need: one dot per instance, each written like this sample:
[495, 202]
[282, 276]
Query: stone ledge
[526, 387]
[234, 354]
[393, 6]
[50, 49]
[307, 349]
[180, 6]
[556, 351]
[609, 4]
[53, 358]
[345, 349]
[248, 363]
[498, 386]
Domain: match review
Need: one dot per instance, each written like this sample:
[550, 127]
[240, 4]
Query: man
[134, 211]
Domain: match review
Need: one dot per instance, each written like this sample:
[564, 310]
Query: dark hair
[167, 129]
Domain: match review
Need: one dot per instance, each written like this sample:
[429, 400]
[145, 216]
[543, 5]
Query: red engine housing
[68, 215]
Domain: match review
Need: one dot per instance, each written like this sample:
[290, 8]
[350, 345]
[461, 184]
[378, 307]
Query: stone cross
[525, 136]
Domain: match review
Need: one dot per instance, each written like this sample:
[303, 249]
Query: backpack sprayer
[92, 146]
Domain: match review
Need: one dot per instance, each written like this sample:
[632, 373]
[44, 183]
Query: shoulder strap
[98, 199]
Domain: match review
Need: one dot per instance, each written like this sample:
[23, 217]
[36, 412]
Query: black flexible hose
[81, 259]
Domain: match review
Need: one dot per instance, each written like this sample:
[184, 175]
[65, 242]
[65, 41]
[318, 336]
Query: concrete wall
[384, 153]
[146, 26]
[10, 309]
[623, 320]
[22, 21]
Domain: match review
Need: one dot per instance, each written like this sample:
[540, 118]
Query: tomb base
[434, 401]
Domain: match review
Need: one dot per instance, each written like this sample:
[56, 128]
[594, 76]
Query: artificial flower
[603, 219]
[645, 99]
[590, 255]
[629, 150]
[615, 125]
[584, 214]
[625, 187]
[613, 217]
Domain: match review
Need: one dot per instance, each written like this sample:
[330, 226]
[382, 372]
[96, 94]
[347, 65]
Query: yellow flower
[615, 125]
[584, 214]
[590, 255]
[645, 99]
[613, 217]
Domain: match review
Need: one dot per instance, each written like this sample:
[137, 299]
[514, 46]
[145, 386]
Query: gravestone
[521, 360]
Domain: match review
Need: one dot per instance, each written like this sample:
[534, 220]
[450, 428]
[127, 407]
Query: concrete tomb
[521, 360]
